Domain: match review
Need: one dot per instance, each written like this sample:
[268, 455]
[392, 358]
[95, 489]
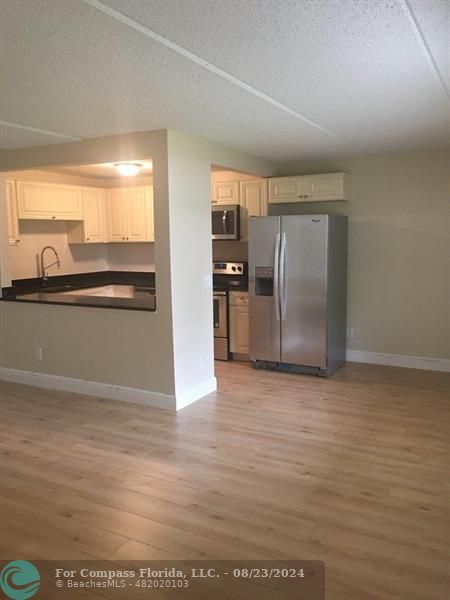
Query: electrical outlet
[38, 352]
[350, 333]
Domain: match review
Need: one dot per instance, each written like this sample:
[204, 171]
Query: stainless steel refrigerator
[297, 292]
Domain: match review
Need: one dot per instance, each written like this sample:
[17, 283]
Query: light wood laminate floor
[353, 470]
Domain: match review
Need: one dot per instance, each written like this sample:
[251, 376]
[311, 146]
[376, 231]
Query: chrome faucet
[45, 268]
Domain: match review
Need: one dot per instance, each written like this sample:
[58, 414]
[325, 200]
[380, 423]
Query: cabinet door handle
[53, 217]
[87, 239]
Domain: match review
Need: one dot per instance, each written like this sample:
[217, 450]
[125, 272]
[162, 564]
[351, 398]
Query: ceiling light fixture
[129, 169]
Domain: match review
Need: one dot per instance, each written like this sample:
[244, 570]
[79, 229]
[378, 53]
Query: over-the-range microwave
[225, 222]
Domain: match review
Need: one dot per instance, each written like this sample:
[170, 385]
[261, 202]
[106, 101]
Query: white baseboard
[90, 388]
[399, 360]
[112, 392]
[188, 397]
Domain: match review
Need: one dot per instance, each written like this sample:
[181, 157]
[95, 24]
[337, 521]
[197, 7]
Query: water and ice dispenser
[263, 281]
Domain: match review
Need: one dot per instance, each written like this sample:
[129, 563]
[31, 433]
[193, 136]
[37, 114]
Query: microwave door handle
[276, 276]
[224, 222]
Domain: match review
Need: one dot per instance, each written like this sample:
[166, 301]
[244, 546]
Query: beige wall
[131, 257]
[399, 249]
[191, 260]
[230, 250]
[116, 347]
[231, 176]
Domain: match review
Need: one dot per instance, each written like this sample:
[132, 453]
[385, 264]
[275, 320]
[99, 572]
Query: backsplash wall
[76, 258]
[131, 257]
[230, 250]
[84, 258]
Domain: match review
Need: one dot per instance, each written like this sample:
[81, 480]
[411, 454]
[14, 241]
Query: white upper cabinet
[92, 230]
[11, 212]
[226, 192]
[49, 201]
[130, 214]
[115, 208]
[286, 189]
[253, 195]
[94, 213]
[139, 215]
[327, 187]
[323, 187]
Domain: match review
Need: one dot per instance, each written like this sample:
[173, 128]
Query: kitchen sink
[54, 289]
[109, 290]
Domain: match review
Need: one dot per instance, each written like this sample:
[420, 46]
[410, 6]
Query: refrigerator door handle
[276, 276]
[283, 286]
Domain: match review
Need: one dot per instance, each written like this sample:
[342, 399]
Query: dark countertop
[38, 291]
[147, 303]
[50, 291]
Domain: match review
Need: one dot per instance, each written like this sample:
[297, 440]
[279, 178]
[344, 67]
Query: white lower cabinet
[239, 336]
[253, 194]
[92, 230]
[49, 201]
[130, 214]
[11, 213]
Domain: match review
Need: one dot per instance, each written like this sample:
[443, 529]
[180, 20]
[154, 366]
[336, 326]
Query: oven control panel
[228, 268]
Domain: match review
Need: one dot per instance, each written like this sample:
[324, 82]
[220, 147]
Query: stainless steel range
[226, 276]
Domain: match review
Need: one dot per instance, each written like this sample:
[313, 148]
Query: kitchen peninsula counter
[104, 289]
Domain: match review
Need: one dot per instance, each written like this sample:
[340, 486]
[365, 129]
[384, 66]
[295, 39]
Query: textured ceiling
[280, 79]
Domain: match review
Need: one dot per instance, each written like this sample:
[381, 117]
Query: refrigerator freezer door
[303, 290]
[264, 309]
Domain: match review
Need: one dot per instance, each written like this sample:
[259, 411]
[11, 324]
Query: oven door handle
[220, 315]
